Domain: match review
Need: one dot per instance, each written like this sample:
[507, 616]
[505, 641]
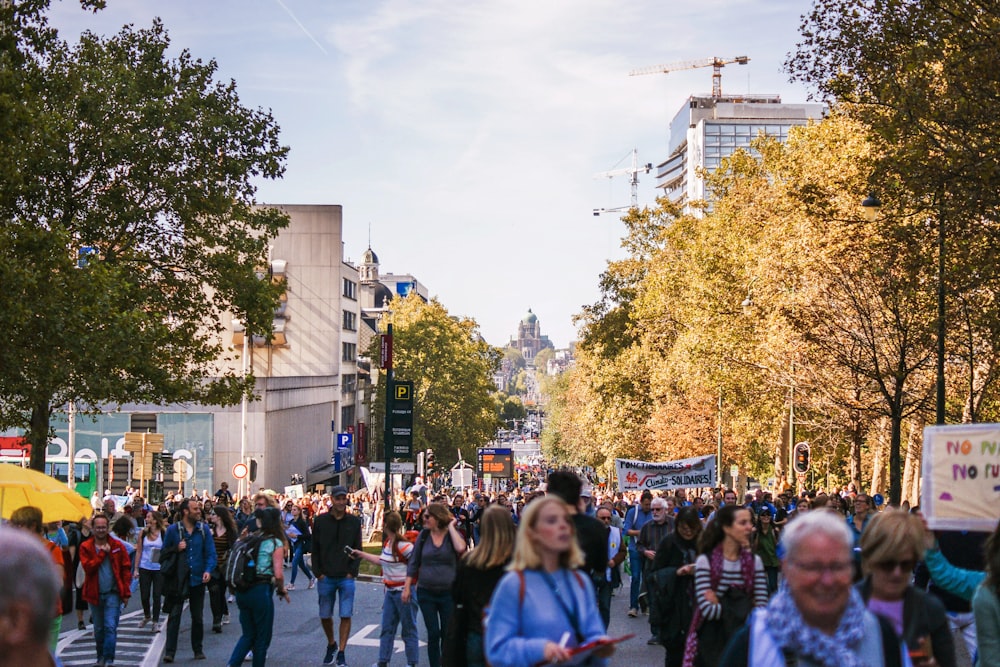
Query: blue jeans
[256, 607]
[105, 615]
[475, 653]
[436, 609]
[635, 565]
[394, 613]
[299, 561]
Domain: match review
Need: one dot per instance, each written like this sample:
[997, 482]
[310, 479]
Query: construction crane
[633, 173]
[716, 63]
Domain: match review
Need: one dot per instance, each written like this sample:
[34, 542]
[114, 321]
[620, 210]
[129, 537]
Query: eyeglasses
[817, 569]
[889, 566]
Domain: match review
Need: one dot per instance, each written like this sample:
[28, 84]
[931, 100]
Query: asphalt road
[299, 640]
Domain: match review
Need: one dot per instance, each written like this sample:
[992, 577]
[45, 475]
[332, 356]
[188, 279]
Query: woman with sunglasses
[301, 546]
[891, 545]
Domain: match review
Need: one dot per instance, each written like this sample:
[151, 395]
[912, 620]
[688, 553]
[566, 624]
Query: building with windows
[707, 129]
[307, 379]
[529, 340]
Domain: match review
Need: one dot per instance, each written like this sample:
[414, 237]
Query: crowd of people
[526, 576]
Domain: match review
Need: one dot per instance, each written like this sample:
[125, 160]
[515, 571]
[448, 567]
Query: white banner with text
[961, 477]
[697, 472]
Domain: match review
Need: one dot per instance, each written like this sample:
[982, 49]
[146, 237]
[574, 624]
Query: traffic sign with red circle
[240, 470]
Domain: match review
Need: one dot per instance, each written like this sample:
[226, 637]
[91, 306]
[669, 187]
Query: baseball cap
[338, 491]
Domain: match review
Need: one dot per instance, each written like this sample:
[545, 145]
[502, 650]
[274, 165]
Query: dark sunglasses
[889, 566]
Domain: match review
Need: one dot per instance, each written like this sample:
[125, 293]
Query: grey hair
[28, 574]
[659, 502]
[830, 524]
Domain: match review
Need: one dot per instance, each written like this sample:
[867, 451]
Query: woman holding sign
[543, 610]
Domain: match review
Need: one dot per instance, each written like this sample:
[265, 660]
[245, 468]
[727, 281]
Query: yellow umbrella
[22, 486]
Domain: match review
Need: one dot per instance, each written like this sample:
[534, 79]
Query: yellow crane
[716, 63]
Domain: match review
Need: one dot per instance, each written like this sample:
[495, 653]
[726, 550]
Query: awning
[323, 474]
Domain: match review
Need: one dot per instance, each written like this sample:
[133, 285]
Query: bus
[86, 473]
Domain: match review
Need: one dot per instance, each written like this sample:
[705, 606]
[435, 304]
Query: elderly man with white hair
[650, 536]
[817, 618]
[29, 593]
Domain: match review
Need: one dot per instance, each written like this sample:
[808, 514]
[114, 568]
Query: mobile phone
[349, 551]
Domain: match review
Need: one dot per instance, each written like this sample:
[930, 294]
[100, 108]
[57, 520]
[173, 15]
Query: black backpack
[241, 565]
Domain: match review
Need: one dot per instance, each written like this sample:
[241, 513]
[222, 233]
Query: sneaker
[199, 656]
[653, 641]
[157, 626]
[81, 626]
[633, 612]
[341, 659]
[290, 587]
[231, 598]
[331, 650]
[143, 622]
[312, 583]
[225, 619]
[249, 655]
[216, 628]
[168, 657]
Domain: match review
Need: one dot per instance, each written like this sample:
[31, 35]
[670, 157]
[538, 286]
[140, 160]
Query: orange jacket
[121, 566]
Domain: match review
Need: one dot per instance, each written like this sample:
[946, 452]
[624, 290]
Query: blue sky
[467, 135]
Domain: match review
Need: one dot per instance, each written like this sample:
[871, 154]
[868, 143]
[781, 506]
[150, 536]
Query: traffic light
[802, 458]
[253, 470]
[429, 462]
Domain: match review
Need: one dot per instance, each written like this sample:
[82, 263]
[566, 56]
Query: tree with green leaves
[130, 235]
[451, 368]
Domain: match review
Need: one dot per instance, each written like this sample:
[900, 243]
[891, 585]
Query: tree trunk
[895, 462]
[38, 436]
[854, 457]
[878, 461]
[911, 467]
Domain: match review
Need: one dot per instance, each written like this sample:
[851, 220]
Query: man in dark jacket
[335, 570]
[189, 537]
[591, 534]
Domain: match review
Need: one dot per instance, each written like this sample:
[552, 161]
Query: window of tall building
[350, 320]
[350, 352]
[348, 384]
[350, 289]
[346, 416]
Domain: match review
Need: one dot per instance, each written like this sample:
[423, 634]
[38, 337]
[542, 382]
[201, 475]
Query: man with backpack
[186, 563]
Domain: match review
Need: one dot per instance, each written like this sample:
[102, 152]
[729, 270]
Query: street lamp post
[243, 409]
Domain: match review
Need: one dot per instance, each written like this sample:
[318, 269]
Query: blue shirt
[635, 519]
[201, 556]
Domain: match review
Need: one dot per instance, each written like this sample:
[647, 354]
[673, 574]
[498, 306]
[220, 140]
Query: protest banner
[961, 477]
[697, 472]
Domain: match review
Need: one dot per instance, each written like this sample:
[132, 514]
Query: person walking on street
[334, 533]
[256, 604]
[303, 545]
[396, 551]
[224, 535]
[635, 518]
[148, 567]
[29, 519]
[107, 586]
[434, 565]
[616, 554]
[189, 538]
[652, 534]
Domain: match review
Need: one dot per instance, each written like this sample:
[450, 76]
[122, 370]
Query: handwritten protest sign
[697, 472]
[961, 477]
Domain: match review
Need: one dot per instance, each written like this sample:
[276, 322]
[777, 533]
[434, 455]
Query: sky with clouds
[467, 135]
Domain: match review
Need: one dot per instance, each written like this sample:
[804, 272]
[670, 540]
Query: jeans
[635, 566]
[475, 652]
[603, 590]
[436, 608]
[105, 615]
[256, 607]
[196, 599]
[299, 561]
[150, 581]
[394, 613]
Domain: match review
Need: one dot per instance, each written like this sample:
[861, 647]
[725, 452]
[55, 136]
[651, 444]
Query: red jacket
[121, 567]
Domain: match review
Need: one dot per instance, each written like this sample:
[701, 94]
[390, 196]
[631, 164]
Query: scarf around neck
[793, 634]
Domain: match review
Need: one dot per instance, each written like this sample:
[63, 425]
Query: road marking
[360, 638]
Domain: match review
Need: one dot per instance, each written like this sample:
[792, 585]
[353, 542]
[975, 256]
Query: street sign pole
[387, 421]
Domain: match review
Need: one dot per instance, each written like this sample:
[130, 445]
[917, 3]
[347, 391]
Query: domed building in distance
[529, 340]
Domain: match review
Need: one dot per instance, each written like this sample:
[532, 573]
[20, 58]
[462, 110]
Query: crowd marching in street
[519, 577]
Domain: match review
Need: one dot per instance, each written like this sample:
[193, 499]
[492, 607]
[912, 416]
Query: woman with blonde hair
[147, 566]
[479, 571]
[891, 546]
[543, 607]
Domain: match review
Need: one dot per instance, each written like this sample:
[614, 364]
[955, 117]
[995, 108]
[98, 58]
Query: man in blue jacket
[190, 538]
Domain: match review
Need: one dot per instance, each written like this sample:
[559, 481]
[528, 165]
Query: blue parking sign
[345, 439]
